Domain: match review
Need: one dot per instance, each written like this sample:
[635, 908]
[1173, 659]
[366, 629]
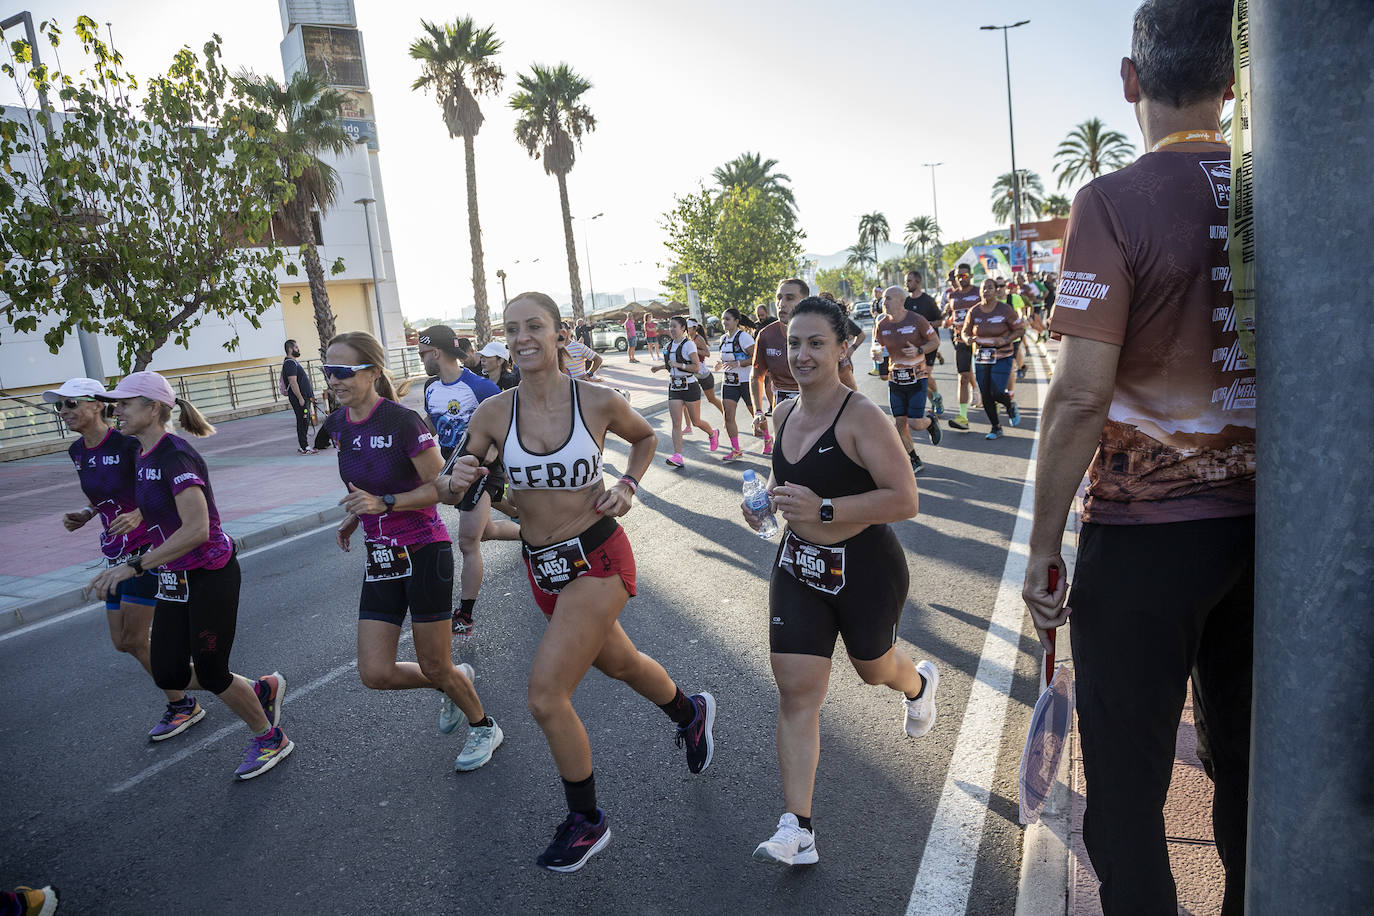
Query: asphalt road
[368, 814]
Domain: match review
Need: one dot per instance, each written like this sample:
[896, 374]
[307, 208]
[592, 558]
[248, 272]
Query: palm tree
[1032, 195]
[305, 117]
[920, 232]
[1089, 150]
[751, 170]
[457, 65]
[551, 124]
[1056, 205]
[873, 229]
[859, 257]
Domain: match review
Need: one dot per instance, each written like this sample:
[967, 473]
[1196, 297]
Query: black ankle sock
[485, 723]
[922, 692]
[465, 606]
[680, 709]
[803, 822]
[581, 797]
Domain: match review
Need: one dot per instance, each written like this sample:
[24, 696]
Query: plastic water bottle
[756, 498]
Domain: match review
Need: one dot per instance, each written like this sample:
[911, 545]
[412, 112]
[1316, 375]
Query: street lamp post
[376, 295]
[587, 252]
[1011, 128]
[502, 275]
[90, 347]
[935, 208]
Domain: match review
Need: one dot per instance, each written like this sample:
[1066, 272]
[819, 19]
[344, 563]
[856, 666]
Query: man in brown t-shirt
[907, 337]
[963, 297]
[1154, 398]
[770, 355]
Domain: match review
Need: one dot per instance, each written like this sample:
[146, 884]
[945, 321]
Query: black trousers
[302, 409]
[1154, 605]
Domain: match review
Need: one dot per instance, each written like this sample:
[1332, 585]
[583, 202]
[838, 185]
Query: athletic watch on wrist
[827, 511]
[389, 501]
[136, 564]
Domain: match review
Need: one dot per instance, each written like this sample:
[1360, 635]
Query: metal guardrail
[28, 421]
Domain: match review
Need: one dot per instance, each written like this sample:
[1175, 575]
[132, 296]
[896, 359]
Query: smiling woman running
[198, 582]
[549, 431]
[839, 570]
[388, 459]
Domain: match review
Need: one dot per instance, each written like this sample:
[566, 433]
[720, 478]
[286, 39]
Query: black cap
[440, 337]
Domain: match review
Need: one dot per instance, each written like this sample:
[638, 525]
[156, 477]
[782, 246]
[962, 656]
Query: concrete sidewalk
[264, 491]
[1056, 875]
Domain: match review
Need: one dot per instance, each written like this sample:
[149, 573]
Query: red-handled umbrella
[1049, 730]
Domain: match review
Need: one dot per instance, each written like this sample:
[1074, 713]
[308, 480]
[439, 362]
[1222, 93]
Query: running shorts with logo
[602, 551]
[193, 626]
[908, 400]
[683, 390]
[418, 577]
[859, 594]
[141, 590]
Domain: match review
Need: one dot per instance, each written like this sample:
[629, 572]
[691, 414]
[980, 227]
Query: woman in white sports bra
[684, 391]
[548, 431]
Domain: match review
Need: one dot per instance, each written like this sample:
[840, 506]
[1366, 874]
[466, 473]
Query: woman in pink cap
[104, 459]
[198, 573]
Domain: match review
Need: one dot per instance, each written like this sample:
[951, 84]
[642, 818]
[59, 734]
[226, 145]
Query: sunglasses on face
[72, 403]
[343, 373]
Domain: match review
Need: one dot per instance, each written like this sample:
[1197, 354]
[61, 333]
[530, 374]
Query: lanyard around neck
[1190, 136]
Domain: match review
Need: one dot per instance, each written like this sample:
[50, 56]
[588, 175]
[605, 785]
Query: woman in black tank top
[840, 476]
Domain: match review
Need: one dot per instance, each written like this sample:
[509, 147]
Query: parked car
[863, 309]
[610, 335]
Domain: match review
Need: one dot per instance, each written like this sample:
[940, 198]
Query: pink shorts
[610, 556]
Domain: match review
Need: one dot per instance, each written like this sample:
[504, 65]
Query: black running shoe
[917, 465]
[697, 735]
[576, 840]
[933, 430]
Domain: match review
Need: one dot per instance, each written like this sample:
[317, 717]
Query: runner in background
[549, 434]
[388, 461]
[839, 480]
[705, 377]
[105, 462]
[770, 355]
[907, 337]
[962, 297]
[451, 395]
[581, 361]
[736, 360]
[920, 302]
[198, 573]
[992, 325]
[496, 365]
[1010, 291]
[684, 391]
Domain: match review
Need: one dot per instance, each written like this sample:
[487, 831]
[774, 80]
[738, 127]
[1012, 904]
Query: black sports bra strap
[843, 405]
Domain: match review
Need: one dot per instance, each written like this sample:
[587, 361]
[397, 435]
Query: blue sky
[849, 97]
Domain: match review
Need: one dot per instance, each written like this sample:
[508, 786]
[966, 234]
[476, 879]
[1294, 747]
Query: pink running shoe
[768, 445]
[715, 439]
[674, 460]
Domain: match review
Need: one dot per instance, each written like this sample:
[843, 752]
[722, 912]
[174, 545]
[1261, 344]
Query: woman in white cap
[105, 459]
[496, 365]
[198, 573]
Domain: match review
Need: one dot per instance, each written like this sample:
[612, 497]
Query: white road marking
[38, 625]
[945, 877]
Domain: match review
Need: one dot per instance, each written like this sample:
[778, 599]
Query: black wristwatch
[389, 501]
[136, 564]
[827, 511]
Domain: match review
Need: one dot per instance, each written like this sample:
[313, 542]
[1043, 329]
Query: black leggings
[199, 631]
[992, 385]
[302, 409]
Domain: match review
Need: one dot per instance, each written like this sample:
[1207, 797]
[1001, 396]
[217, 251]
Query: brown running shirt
[960, 301]
[996, 322]
[770, 355]
[1145, 268]
[896, 333]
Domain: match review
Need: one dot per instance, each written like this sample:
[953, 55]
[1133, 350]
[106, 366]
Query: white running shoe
[482, 742]
[450, 716]
[791, 845]
[920, 712]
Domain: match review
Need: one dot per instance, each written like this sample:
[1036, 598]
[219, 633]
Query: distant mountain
[886, 251]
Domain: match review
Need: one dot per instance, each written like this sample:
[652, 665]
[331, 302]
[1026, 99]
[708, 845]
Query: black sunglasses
[71, 403]
[343, 373]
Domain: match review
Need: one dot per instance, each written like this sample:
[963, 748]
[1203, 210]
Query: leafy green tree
[1089, 150]
[551, 124]
[1056, 205]
[844, 283]
[860, 257]
[457, 66]
[1032, 196]
[736, 245]
[919, 233]
[303, 121]
[751, 170]
[134, 220]
[873, 229]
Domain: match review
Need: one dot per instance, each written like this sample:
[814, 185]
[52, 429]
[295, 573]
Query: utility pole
[587, 252]
[1011, 127]
[935, 208]
[1311, 839]
[91, 362]
[376, 294]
